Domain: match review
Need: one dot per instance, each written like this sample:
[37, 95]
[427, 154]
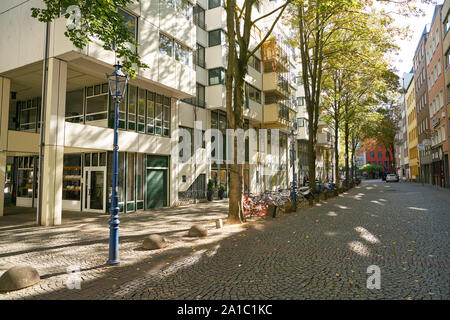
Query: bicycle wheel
[260, 209]
[247, 207]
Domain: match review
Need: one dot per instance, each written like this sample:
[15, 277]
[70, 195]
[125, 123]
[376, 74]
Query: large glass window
[158, 114]
[199, 58]
[255, 63]
[200, 95]
[252, 93]
[166, 117]
[74, 106]
[29, 114]
[132, 108]
[72, 177]
[214, 4]
[199, 17]
[185, 8]
[150, 112]
[182, 54]
[130, 22]
[215, 37]
[141, 110]
[139, 182]
[130, 181]
[96, 105]
[165, 45]
[216, 76]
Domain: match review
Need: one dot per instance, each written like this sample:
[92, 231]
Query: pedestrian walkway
[81, 241]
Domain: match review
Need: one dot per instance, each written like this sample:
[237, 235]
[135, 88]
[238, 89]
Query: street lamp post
[332, 166]
[294, 180]
[117, 82]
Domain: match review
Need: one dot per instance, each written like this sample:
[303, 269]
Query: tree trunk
[346, 133]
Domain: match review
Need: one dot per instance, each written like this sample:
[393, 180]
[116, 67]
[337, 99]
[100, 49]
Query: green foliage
[101, 20]
[370, 168]
[210, 185]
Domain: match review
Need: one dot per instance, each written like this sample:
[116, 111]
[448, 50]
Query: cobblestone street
[316, 253]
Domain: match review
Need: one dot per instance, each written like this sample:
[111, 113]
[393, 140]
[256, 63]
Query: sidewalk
[82, 241]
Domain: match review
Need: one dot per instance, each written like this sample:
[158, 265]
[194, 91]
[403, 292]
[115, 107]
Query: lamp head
[117, 82]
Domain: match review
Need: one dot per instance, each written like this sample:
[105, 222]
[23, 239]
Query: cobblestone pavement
[317, 253]
[82, 242]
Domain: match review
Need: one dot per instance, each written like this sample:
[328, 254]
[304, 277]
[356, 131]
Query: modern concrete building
[436, 95]
[184, 44]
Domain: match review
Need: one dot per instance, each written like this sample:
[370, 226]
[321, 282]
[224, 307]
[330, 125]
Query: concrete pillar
[2, 181]
[173, 180]
[55, 106]
[5, 88]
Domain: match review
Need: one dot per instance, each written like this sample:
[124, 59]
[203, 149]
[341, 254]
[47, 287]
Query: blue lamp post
[117, 82]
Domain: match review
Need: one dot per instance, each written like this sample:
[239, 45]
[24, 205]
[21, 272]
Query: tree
[96, 19]
[239, 27]
[340, 44]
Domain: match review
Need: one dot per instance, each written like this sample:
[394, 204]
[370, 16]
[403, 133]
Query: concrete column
[5, 88]
[55, 106]
[174, 166]
[2, 181]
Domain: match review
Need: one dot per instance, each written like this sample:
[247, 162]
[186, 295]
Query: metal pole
[294, 183]
[42, 135]
[114, 208]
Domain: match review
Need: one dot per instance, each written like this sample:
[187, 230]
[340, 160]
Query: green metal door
[156, 188]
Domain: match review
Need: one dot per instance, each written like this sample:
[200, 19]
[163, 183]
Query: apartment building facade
[436, 95]
[422, 108]
[411, 116]
[401, 146]
[184, 45]
[445, 19]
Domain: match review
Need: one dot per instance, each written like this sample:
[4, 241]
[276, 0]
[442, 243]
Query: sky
[403, 61]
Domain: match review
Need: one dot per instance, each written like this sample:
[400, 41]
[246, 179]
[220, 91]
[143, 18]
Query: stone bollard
[19, 277]
[219, 224]
[154, 242]
[198, 231]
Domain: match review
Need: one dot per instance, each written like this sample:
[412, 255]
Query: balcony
[276, 116]
[274, 57]
[275, 86]
[323, 139]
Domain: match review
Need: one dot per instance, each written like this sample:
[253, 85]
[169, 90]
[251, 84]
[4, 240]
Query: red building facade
[380, 157]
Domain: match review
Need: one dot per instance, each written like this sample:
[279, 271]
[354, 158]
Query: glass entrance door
[95, 189]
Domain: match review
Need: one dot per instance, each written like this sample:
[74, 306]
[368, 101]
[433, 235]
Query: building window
[174, 49]
[372, 155]
[97, 104]
[150, 112]
[182, 6]
[214, 4]
[199, 99]
[199, 56]
[215, 37]
[200, 90]
[185, 8]
[255, 63]
[216, 76]
[74, 106]
[165, 45]
[132, 92]
[182, 54]
[301, 101]
[130, 22]
[199, 17]
[141, 110]
[252, 93]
